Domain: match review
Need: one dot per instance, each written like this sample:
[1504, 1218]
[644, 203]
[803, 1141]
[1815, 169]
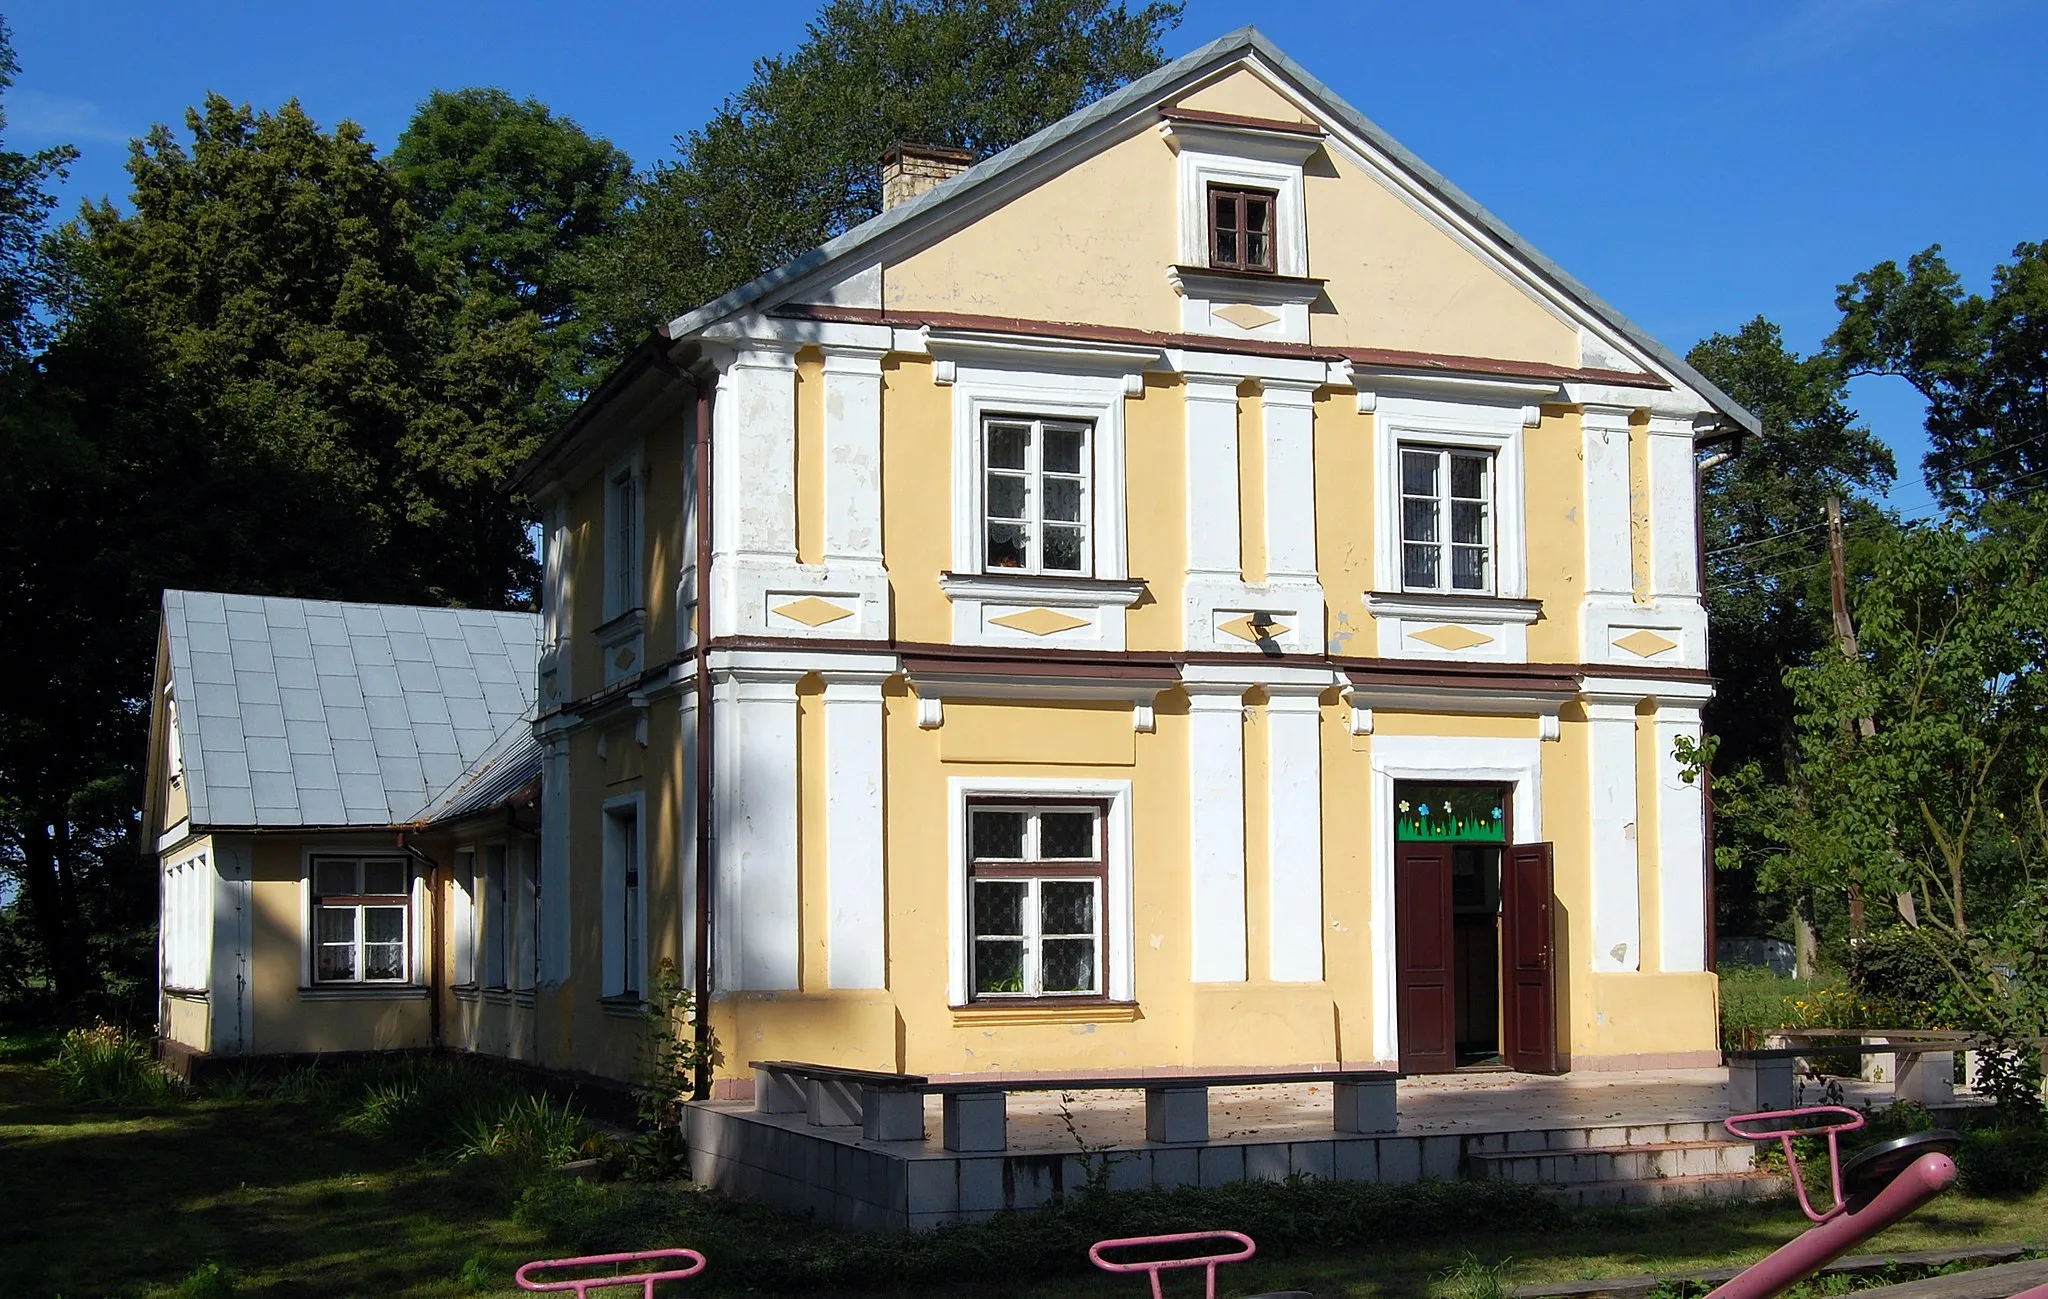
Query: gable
[1095, 242]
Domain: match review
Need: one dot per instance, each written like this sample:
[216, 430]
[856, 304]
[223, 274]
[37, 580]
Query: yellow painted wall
[1344, 520]
[1156, 508]
[917, 495]
[185, 1021]
[1244, 93]
[1554, 515]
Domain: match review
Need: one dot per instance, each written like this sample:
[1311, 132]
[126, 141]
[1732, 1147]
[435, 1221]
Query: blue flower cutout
[1424, 809]
[1496, 814]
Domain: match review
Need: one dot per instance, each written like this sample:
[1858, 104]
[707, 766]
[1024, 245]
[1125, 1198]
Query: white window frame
[463, 903]
[1042, 871]
[1034, 475]
[1243, 158]
[174, 749]
[496, 965]
[625, 968]
[187, 923]
[1443, 502]
[980, 394]
[625, 530]
[1454, 426]
[1117, 910]
[415, 908]
[522, 914]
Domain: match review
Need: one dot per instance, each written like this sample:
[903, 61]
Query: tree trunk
[49, 886]
[1806, 941]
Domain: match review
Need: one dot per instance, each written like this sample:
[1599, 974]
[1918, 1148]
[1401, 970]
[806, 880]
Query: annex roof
[1157, 85]
[314, 713]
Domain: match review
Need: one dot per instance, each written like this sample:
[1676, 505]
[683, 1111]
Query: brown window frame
[1094, 870]
[360, 903]
[1238, 195]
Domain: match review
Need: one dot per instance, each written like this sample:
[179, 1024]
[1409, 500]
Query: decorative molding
[812, 611]
[1001, 609]
[931, 712]
[1039, 621]
[993, 682]
[945, 372]
[1452, 608]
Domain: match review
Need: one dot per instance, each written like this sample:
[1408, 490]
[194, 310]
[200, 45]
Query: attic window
[1241, 229]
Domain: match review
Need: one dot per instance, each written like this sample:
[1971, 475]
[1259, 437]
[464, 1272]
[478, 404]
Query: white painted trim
[1240, 159]
[630, 470]
[613, 979]
[231, 996]
[686, 849]
[1611, 773]
[1452, 607]
[1294, 821]
[555, 953]
[753, 449]
[1427, 757]
[1288, 411]
[1609, 549]
[853, 456]
[1213, 510]
[1681, 845]
[416, 955]
[1119, 903]
[1463, 424]
[978, 602]
[755, 810]
[856, 943]
[1216, 867]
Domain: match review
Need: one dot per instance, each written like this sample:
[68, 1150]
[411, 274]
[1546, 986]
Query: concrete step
[1666, 1159]
[1582, 1138]
[1667, 1190]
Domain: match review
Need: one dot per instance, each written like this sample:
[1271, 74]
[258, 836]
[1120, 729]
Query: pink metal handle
[1153, 1267]
[1816, 1247]
[1845, 1120]
[584, 1285]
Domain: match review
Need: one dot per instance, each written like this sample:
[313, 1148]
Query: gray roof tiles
[306, 712]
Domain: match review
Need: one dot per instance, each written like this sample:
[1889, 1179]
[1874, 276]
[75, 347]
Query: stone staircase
[1649, 1163]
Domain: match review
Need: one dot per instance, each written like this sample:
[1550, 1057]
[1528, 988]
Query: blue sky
[1695, 164]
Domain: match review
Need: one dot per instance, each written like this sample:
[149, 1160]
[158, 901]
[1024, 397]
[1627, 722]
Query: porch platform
[1603, 1136]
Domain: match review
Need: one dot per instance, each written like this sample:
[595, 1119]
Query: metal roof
[1139, 94]
[315, 713]
[495, 780]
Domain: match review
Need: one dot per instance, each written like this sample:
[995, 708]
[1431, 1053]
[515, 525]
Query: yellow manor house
[1192, 591]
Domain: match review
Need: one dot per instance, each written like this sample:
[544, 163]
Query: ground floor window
[362, 919]
[1037, 874]
[625, 933]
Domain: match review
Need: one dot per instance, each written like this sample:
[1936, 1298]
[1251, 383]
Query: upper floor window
[622, 541]
[1447, 534]
[1241, 229]
[1036, 877]
[1036, 494]
[362, 911]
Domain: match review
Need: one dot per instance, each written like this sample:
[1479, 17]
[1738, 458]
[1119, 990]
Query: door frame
[1514, 762]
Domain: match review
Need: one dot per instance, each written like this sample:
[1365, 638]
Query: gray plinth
[1363, 1106]
[1178, 1114]
[777, 1091]
[975, 1121]
[1928, 1078]
[891, 1114]
[1755, 1085]
[832, 1104]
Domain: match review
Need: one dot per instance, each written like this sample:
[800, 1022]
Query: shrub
[103, 1066]
[1899, 973]
[420, 1103]
[2003, 1161]
[207, 1281]
[528, 1129]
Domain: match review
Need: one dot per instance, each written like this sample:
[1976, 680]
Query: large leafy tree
[25, 200]
[516, 197]
[793, 159]
[1981, 363]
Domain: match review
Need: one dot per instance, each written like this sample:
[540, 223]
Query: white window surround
[1242, 157]
[415, 980]
[625, 483]
[1515, 762]
[1118, 913]
[186, 926]
[1451, 425]
[618, 981]
[464, 904]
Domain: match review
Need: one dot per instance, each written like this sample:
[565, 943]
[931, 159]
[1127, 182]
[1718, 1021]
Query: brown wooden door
[1423, 956]
[1528, 989]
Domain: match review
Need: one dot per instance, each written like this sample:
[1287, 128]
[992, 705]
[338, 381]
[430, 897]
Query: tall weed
[102, 1065]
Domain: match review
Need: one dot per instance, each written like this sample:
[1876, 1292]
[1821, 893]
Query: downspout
[701, 645]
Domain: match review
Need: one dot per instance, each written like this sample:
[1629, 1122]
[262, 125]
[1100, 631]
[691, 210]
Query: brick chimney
[910, 169]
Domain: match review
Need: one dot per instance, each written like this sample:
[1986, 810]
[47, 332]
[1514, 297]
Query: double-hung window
[1241, 229]
[1036, 495]
[622, 542]
[1447, 529]
[1036, 876]
[497, 916]
[624, 914]
[362, 919]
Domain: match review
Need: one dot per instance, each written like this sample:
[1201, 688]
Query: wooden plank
[1983, 1283]
[1634, 1287]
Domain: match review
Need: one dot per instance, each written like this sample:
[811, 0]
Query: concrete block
[1357, 1161]
[1175, 1168]
[1757, 1085]
[1220, 1164]
[1694, 1131]
[1927, 1079]
[933, 1186]
[887, 1114]
[1266, 1162]
[777, 1091]
[1569, 1139]
[892, 1182]
[1400, 1159]
[980, 1186]
[1030, 1182]
[1649, 1134]
[1363, 1106]
[1489, 1143]
[975, 1121]
[1312, 1159]
[1129, 1170]
[832, 1103]
[1440, 1156]
[1607, 1136]
[1177, 1114]
[1520, 1141]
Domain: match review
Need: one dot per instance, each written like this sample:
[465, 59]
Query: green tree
[25, 201]
[1981, 363]
[793, 159]
[516, 197]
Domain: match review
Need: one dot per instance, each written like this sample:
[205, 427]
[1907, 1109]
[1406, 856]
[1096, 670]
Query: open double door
[1451, 981]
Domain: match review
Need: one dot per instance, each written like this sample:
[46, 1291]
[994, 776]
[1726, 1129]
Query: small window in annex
[1036, 497]
[1447, 536]
[1241, 229]
[362, 919]
[1036, 877]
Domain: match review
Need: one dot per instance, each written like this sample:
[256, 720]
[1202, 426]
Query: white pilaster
[230, 996]
[1295, 833]
[754, 446]
[1681, 844]
[1617, 903]
[554, 861]
[1288, 412]
[1213, 546]
[1216, 831]
[1608, 565]
[856, 941]
[686, 850]
[1674, 510]
[754, 798]
[853, 455]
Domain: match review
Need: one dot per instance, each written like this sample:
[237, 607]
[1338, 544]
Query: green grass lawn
[132, 1202]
